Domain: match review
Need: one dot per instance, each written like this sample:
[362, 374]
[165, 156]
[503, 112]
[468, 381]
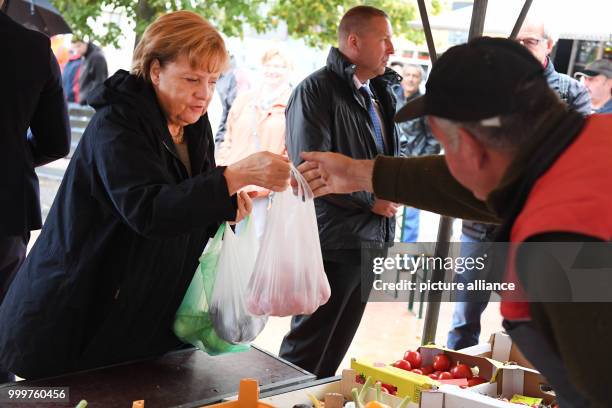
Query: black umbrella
[37, 14]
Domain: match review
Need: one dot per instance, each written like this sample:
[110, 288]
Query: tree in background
[315, 21]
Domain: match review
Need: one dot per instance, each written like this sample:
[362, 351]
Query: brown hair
[176, 34]
[356, 19]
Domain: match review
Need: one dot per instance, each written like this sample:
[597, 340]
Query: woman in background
[256, 123]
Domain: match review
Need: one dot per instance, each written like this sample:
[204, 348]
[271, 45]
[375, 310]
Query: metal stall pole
[520, 20]
[445, 227]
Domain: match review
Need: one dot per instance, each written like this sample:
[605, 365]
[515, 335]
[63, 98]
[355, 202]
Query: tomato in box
[441, 362]
[403, 364]
[414, 358]
[428, 369]
[461, 371]
[475, 381]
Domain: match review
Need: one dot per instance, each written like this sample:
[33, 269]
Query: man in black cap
[514, 155]
[538, 38]
[31, 96]
[597, 77]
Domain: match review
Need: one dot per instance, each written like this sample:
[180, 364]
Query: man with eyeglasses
[537, 38]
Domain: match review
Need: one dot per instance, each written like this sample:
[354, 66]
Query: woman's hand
[263, 169]
[245, 206]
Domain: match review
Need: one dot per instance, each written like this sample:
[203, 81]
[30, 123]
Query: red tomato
[445, 375]
[441, 362]
[475, 381]
[413, 357]
[461, 371]
[417, 371]
[434, 376]
[428, 369]
[403, 364]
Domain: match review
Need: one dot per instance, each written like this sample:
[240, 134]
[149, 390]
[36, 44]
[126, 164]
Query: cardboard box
[518, 372]
[344, 387]
[514, 379]
[411, 384]
[499, 348]
[407, 383]
[510, 380]
[487, 368]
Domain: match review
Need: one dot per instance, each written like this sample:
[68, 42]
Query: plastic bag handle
[304, 191]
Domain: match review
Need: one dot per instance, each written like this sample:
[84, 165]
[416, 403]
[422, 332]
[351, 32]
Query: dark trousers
[12, 255]
[318, 342]
[547, 361]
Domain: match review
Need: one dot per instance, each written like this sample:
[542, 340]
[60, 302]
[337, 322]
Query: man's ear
[549, 45]
[352, 41]
[472, 149]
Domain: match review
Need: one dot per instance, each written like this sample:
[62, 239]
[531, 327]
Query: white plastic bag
[289, 278]
[228, 312]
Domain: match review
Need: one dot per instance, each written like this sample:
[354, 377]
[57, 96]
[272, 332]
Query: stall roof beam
[521, 19]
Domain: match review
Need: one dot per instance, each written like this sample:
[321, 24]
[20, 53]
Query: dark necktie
[378, 135]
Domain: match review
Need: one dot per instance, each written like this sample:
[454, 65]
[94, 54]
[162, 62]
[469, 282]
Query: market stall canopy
[38, 15]
[583, 20]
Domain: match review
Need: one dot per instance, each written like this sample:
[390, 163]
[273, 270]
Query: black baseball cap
[475, 81]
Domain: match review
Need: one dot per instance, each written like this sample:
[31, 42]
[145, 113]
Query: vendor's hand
[245, 206]
[263, 169]
[334, 173]
[385, 208]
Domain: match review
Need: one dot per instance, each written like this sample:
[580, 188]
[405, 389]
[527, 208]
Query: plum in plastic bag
[289, 278]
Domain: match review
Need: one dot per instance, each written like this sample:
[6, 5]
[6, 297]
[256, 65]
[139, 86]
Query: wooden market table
[185, 378]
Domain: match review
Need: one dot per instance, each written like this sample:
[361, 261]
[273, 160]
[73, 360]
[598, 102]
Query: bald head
[537, 38]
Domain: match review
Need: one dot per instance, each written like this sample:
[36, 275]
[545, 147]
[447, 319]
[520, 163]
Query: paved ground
[387, 329]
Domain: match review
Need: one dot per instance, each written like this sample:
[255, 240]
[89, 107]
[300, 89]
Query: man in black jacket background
[94, 69]
[347, 107]
[31, 96]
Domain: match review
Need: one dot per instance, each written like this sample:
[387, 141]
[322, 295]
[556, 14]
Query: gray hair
[417, 66]
[541, 15]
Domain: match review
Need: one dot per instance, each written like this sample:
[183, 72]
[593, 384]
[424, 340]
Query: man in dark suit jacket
[31, 96]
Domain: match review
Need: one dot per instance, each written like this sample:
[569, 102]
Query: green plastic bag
[192, 323]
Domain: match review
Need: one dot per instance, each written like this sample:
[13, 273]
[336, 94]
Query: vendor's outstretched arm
[426, 183]
[421, 182]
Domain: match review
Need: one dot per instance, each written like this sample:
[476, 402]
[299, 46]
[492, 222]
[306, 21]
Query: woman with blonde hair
[256, 122]
[139, 200]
